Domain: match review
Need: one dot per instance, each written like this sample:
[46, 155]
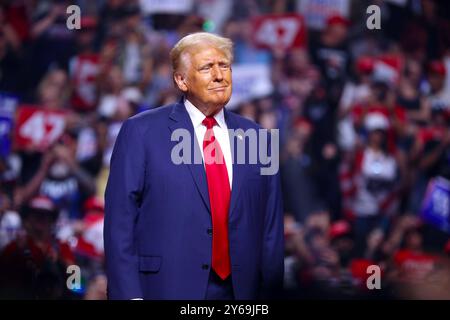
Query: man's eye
[225, 66]
[205, 68]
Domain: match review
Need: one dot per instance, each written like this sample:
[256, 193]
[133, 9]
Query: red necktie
[219, 198]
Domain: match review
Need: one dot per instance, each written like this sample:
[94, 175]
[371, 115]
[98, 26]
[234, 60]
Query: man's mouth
[218, 89]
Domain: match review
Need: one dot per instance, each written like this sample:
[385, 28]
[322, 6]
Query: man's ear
[180, 81]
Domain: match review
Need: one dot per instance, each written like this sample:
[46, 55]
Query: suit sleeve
[122, 200]
[273, 254]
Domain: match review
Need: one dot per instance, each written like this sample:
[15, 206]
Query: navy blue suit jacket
[157, 216]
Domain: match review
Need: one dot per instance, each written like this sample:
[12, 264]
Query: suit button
[205, 266]
[209, 231]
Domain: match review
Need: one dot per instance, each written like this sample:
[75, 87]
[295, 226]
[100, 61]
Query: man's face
[206, 78]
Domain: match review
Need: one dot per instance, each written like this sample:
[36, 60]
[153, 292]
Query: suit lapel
[180, 120]
[238, 169]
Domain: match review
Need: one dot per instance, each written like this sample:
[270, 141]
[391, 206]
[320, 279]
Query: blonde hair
[200, 38]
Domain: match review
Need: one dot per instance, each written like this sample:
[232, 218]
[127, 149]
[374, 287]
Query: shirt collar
[197, 116]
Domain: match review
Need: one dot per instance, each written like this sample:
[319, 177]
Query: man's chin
[217, 105]
[223, 102]
[220, 101]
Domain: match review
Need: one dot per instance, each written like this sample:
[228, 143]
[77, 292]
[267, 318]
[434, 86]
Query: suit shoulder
[148, 119]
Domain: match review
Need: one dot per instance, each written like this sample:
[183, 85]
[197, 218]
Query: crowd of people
[363, 116]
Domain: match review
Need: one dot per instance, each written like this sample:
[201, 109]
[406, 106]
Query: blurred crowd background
[363, 114]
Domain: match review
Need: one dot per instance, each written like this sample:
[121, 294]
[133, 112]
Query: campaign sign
[436, 204]
[166, 6]
[250, 81]
[8, 104]
[279, 31]
[317, 12]
[38, 128]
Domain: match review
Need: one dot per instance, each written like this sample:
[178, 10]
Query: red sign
[84, 69]
[38, 128]
[279, 31]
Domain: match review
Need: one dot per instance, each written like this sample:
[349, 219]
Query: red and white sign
[84, 69]
[90, 243]
[37, 127]
[279, 31]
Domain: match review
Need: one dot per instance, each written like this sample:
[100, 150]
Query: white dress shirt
[220, 132]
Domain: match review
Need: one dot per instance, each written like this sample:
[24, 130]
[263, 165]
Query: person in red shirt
[411, 262]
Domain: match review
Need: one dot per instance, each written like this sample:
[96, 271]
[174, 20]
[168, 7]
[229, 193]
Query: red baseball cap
[339, 228]
[337, 19]
[365, 64]
[42, 203]
[438, 67]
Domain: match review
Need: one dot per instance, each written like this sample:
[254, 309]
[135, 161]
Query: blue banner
[436, 204]
[8, 104]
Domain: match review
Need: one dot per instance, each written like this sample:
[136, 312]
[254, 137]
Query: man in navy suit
[208, 229]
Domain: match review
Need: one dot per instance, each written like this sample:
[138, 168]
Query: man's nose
[217, 73]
